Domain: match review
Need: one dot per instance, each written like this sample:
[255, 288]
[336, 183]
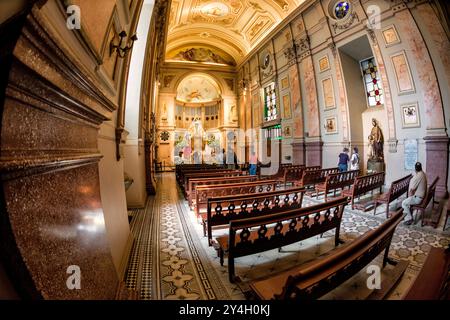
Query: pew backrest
[221, 210]
[289, 227]
[212, 181]
[314, 279]
[233, 189]
[313, 177]
[398, 188]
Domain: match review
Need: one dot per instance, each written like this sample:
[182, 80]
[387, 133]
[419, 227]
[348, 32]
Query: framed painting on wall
[330, 125]
[324, 64]
[328, 93]
[390, 36]
[285, 83]
[403, 76]
[287, 107]
[410, 115]
[288, 131]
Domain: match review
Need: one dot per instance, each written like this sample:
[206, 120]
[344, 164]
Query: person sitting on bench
[416, 193]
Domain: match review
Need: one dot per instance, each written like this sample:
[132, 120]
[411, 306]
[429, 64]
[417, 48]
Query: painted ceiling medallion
[215, 10]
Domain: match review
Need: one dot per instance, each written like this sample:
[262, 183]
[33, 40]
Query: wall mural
[201, 54]
[197, 88]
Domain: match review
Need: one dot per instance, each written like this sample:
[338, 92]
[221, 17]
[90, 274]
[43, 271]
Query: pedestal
[375, 166]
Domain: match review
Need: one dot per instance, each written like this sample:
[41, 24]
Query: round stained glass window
[341, 9]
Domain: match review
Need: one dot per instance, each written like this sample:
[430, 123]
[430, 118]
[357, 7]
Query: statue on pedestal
[376, 154]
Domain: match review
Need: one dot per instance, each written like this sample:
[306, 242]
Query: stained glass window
[371, 77]
[341, 9]
[270, 103]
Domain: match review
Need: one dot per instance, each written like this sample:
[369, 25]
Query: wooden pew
[202, 182]
[215, 174]
[446, 219]
[433, 281]
[251, 189]
[221, 210]
[313, 279]
[182, 173]
[364, 184]
[294, 173]
[334, 181]
[397, 189]
[311, 178]
[280, 173]
[185, 167]
[421, 207]
[272, 231]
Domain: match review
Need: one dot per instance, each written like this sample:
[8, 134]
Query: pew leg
[221, 256]
[279, 249]
[336, 237]
[231, 269]
[375, 208]
[204, 228]
[386, 255]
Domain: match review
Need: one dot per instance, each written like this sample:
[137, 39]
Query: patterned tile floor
[171, 259]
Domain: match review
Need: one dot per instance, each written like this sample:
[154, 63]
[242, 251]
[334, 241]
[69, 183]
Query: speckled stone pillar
[314, 153]
[52, 224]
[437, 162]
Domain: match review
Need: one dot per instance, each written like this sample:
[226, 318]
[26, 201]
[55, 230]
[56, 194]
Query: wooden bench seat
[335, 181]
[364, 184]
[294, 173]
[313, 279]
[397, 189]
[433, 281]
[301, 224]
[215, 174]
[421, 207]
[221, 210]
[313, 177]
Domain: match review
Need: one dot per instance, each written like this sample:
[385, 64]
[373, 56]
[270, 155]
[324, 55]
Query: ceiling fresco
[197, 88]
[230, 26]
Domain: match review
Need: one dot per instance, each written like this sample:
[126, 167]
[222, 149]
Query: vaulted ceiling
[222, 27]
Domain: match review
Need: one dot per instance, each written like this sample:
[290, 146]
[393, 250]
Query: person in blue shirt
[343, 160]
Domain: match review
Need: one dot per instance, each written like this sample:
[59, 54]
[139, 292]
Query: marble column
[437, 162]
[52, 224]
[298, 152]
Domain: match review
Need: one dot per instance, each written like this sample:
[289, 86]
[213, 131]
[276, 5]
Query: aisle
[171, 259]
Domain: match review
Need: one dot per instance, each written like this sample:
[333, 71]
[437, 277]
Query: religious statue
[376, 142]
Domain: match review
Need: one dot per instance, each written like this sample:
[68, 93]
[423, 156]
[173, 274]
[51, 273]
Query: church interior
[224, 150]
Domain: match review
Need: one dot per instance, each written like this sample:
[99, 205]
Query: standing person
[354, 160]
[343, 160]
[230, 158]
[220, 157]
[416, 192]
[253, 163]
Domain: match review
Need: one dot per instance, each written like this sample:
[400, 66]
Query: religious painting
[410, 115]
[331, 125]
[324, 64]
[403, 74]
[328, 93]
[285, 83]
[390, 36]
[287, 132]
[287, 106]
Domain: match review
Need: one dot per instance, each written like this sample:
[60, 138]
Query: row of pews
[262, 213]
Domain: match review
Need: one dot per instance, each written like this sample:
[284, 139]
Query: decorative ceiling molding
[235, 27]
